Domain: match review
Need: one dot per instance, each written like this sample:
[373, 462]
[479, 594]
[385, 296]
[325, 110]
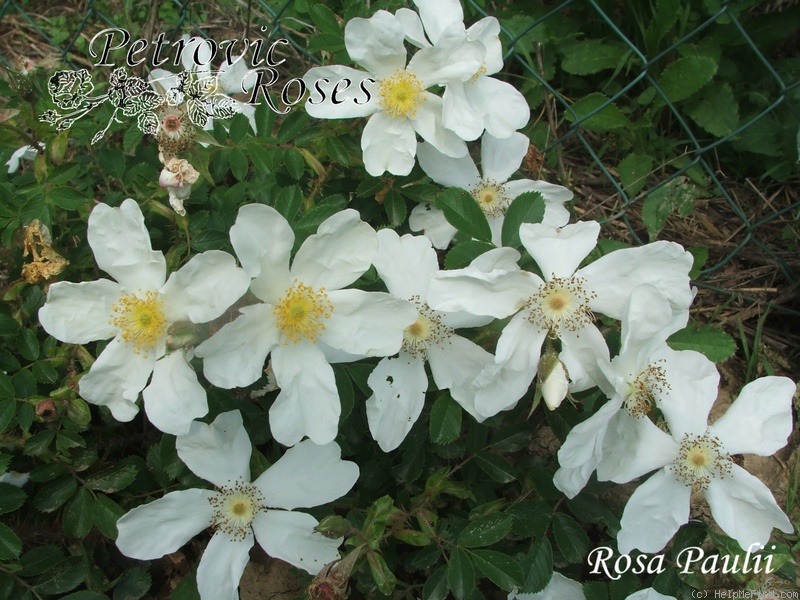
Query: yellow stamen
[425, 331]
[302, 312]
[235, 507]
[490, 197]
[561, 304]
[401, 94]
[700, 459]
[140, 319]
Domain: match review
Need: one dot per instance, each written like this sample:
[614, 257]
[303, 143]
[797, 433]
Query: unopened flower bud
[554, 380]
[46, 410]
[334, 527]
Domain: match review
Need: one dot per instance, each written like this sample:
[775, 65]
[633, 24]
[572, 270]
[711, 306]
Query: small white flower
[137, 311]
[398, 104]
[15, 478]
[500, 159]
[480, 102]
[562, 304]
[303, 318]
[406, 265]
[241, 511]
[696, 458]
[25, 152]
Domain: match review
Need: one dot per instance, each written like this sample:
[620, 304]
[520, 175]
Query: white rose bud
[554, 380]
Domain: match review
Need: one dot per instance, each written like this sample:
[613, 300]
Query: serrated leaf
[239, 128]
[54, 493]
[486, 531]
[435, 587]
[531, 517]
[112, 479]
[67, 198]
[294, 162]
[63, 577]
[39, 559]
[540, 566]
[592, 56]
[27, 344]
[686, 76]
[602, 120]
[324, 18]
[717, 110]
[84, 595]
[633, 172]
[44, 372]
[39, 442]
[238, 162]
[496, 467]
[395, 206]
[525, 208]
[288, 201]
[105, 514]
[463, 213]
[383, 577]
[11, 498]
[500, 568]
[133, 584]
[10, 544]
[292, 124]
[77, 515]
[571, 539]
[445, 422]
[8, 409]
[706, 339]
[460, 574]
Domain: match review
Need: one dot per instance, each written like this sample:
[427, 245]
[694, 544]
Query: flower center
[140, 320]
[172, 123]
[302, 312]
[641, 398]
[235, 507]
[401, 94]
[490, 197]
[700, 459]
[425, 331]
[561, 304]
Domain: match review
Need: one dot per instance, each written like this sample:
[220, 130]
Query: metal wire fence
[190, 16]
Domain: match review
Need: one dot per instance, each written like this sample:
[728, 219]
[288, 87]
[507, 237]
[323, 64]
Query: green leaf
[10, 544]
[531, 517]
[8, 409]
[496, 467]
[464, 253]
[132, 138]
[63, 577]
[67, 198]
[445, 423]
[395, 206]
[337, 151]
[239, 128]
[112, 161]
[238, 162]
[678, 194]
[105, 514]
[592, 56]
[539, 562]
[84, 595]
[39, 559]
[570, 537]
[292, 124]
[463, 213]
[11, 498]
[486, 531]
[133, 585]
[609, 118]
[54, 493]
[706, 339]
[44, 372]
[112, 479]
[383, 577]
[77, 515]
[595, 590]
[39, 442]
[324, 18]
[500, 568]
[295, 163]
[717, 110]
[686, 76]
[288, 201]
[525, 208]
[8, 325]
[435, 587]
[633, 172]
[460, 574]
[28, 345]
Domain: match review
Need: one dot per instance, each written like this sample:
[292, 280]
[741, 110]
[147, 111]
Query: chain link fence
[753, 227]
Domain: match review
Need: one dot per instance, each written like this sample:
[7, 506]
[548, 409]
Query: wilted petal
[121, 246]
[307, 475]
[174, 397]
[290, 536]
[654, 512]
[176, 518]
[398, 387]
[77, 313]
[220, 452]
[222, 565]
